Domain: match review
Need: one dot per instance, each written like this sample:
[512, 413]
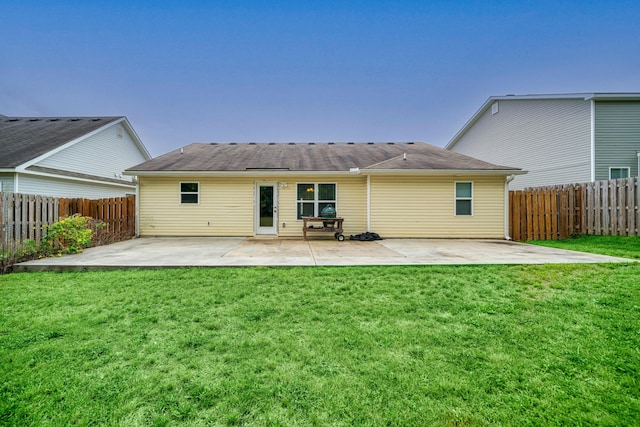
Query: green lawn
[620, 246]
[399, 346]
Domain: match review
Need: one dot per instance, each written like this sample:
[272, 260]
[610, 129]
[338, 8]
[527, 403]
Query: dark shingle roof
[25, 138]
[309, 157]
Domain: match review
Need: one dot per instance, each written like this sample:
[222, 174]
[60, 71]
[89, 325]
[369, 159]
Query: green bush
[69, 235]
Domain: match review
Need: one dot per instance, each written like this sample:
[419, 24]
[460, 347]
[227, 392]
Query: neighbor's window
[313, 197]
[464, 198]
[616, 173]
[189, 192]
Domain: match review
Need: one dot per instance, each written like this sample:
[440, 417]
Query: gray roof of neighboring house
[24, 138]
[308, 157]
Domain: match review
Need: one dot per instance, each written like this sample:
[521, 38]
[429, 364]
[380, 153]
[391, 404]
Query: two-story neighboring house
[559, 139]
[68, 157]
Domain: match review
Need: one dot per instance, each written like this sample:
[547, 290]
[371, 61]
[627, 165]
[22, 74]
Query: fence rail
[22, 216]
[557, 212]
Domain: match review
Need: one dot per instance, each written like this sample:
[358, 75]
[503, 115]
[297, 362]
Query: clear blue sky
[225, 71]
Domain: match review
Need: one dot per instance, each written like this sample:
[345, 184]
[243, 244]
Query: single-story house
[409, 189]
[69, 156]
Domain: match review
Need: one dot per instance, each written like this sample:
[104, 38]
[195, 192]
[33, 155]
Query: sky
[305, 71]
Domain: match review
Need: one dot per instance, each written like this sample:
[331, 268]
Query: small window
[464, 198]
[617, 173]
[313, 197]
[189, 192]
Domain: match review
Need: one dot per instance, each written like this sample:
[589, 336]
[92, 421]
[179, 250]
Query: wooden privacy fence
[22, 216]
[118, 213]
[557, 212]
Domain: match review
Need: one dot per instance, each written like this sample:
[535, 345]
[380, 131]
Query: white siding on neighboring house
[549, 138]
[30, 184]
[107, 154]
[6, 182]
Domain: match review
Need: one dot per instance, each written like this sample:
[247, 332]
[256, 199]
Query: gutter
[281, 173]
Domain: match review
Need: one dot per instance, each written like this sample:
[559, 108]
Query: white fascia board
[470, 122]
[414, 172]
[442, 172]
[73, 178]
[31, 162]
[614, 96]
[250, 173]
[135, 137]
[7, 170]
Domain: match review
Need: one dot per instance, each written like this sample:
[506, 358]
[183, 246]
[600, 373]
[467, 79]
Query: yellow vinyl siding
[226, 206]
[400, 206]
[425, 207]
[352, 205]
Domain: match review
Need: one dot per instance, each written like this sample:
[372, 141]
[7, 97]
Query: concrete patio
[166, 252]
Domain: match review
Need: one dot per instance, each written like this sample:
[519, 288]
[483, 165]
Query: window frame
[627, 168]
[316, 202]
[457, 198]
[182, 193]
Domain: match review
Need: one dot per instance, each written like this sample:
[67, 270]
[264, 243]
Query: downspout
[638, 154]
[368, 202]
[593, 140]
[506, 206]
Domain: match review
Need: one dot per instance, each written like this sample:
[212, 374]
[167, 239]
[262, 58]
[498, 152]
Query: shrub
[69, 235]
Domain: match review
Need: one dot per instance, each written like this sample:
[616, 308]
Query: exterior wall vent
[495, 108]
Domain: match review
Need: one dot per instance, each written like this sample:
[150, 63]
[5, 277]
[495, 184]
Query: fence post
[637, 204]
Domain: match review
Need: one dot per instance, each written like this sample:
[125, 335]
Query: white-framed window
[617, 173]
[189, 193]
[313, 197]
[464, 198]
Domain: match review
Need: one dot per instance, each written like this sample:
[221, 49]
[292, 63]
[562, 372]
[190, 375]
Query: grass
[619, 246]
[398, 346]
